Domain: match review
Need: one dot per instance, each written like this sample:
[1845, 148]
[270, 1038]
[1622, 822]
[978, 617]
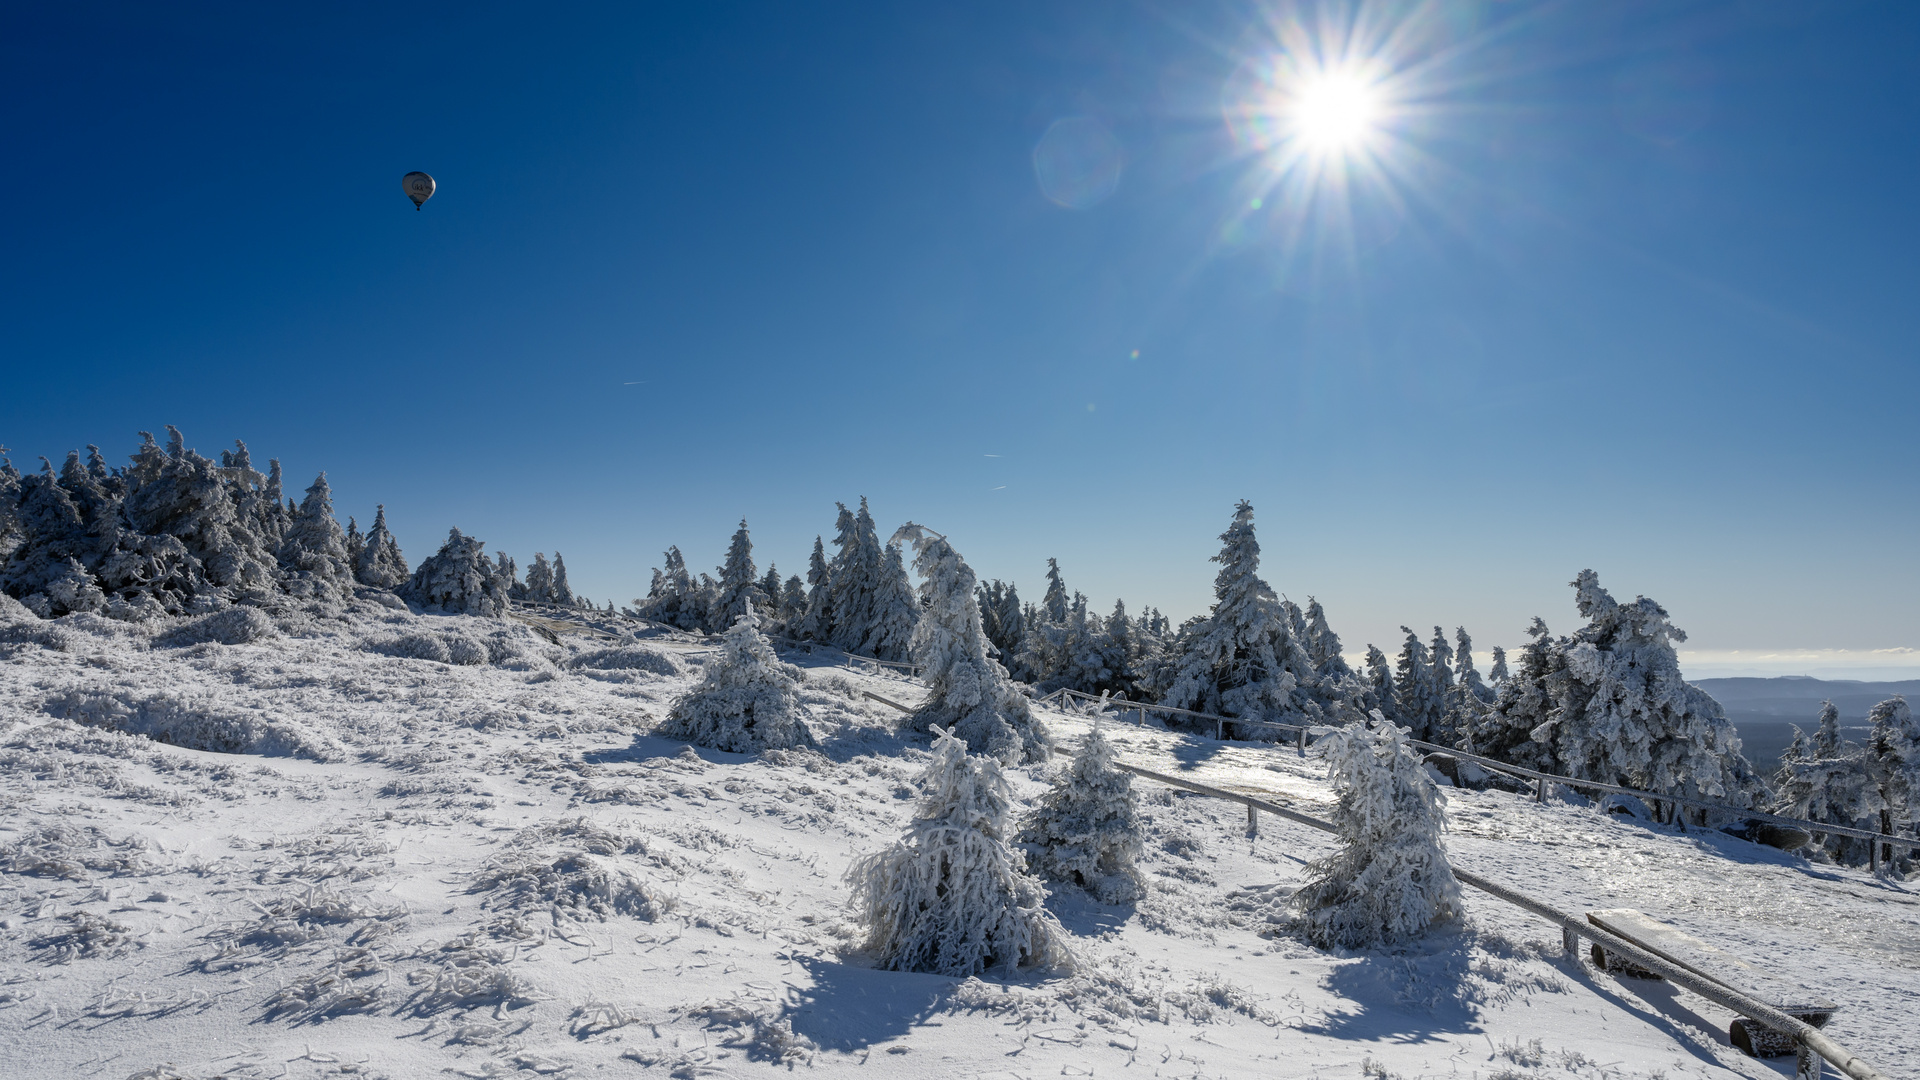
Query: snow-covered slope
[392, 845]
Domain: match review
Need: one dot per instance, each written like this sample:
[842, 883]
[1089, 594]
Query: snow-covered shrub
[569, 867]
[1389, 881]
[234, 626]
[464, 649]
[163, 717]
[416, 645]
[969, 693]
[459, 579]
[951, 897]
[83, 936]
[629, 658]
[1086, 830]
[13, 611]
[748, 700]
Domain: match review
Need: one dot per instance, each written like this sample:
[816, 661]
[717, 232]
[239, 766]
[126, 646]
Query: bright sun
[1334, 111]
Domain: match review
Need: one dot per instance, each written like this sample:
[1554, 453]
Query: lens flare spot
[1078, 162]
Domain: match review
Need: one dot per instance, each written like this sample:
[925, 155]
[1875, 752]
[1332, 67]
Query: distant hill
[1765, 709]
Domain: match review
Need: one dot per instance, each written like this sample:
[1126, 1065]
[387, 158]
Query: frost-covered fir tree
[896, 611]
[1390, 881]
[1086, 830]
[1497, 674]
[1242, 659]
[950, 897]
[356, 541]
[459, 579]
[1441, 672]
[770, 587]
[1416, 696]
[739, 584]
[313, 552]
[538, 588]
[1054, 604]
[562, 591]
[1468, 697]
[1379, 680]
[176, 492]
[816, 624]
[793, 601]
[675, 599]
[381, 565]
[1523, 704]
[1622, 713]
[854, 576]
[1323, 645]
[1826, 778]
[748, 700]
[1893, 763]
[968, 693]
[52, 537]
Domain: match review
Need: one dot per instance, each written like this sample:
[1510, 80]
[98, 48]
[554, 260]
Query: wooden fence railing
[1541, 780]
[1572, 928]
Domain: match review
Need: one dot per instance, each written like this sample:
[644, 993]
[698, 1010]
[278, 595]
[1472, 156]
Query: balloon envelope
[418, 186]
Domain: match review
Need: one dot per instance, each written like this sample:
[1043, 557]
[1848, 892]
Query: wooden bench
[1683, 950]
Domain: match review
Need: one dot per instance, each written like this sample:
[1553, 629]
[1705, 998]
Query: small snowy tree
[1053, 605]
[793, 601]
[1323, 645]
[1524, 703]
[1893, 763]
[896, 611]
[1086, 830]
[748, 700]
[356, 541]
[313, 552]
[1390, 881]
[459, 579]
[968, 693]
[950, 897]
[1468, 697]
[1497, 674]
[855, 578]
[675, 598]
[381, 565]
[1825, 778]
[176, 492]
[770, 588]
[1379, 680]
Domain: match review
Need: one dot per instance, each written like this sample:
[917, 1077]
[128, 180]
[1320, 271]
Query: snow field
[359, 861]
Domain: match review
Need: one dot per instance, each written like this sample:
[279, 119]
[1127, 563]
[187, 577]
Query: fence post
[1219, 731]
[1303, 742]
[1569, 941]
[1253, 820]
[1540, 791]
[1143, 717]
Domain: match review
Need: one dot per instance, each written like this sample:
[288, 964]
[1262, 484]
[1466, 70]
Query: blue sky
[1622, 285]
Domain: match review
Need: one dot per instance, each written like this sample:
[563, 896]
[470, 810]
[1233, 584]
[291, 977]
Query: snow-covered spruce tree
[1053, 605]
[748, 700]
[950, 897]
[1011, 620]
[1124, 647]
[1497, 674]
[793, 602]
[508, 574]
[1390, 881]
[9, 507]
[459, 579]
[1379, 685]
[1086, 830]
[176, 492]
[1241, 660]
[562, 591]
[968, 693]
[775, 609]
[1893, 763]
[1442, 674]
[739, 584]
[896, 611]
[381, 565]
[538, 588]
[356, 542]
[313, 553]
[816, 624]
[1468, 697]
[674, 599]
[52, 536]
[1323, 645]
[1415, 699]
[1523, 704]
[854, 577]
[1825, 778]
[1622, 714]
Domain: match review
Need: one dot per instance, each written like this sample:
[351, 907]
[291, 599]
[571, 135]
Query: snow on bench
[1686, 951]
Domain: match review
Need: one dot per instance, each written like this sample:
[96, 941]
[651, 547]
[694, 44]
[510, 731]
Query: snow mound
[568, 868]
[625, 658]
[163, 717]
[234, 626]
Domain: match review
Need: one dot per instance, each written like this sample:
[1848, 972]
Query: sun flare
[1334, 111]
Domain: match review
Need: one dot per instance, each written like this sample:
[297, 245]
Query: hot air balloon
[418, 186]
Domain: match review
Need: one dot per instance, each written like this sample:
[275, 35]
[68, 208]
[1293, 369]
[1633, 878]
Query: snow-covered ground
[394, 845]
